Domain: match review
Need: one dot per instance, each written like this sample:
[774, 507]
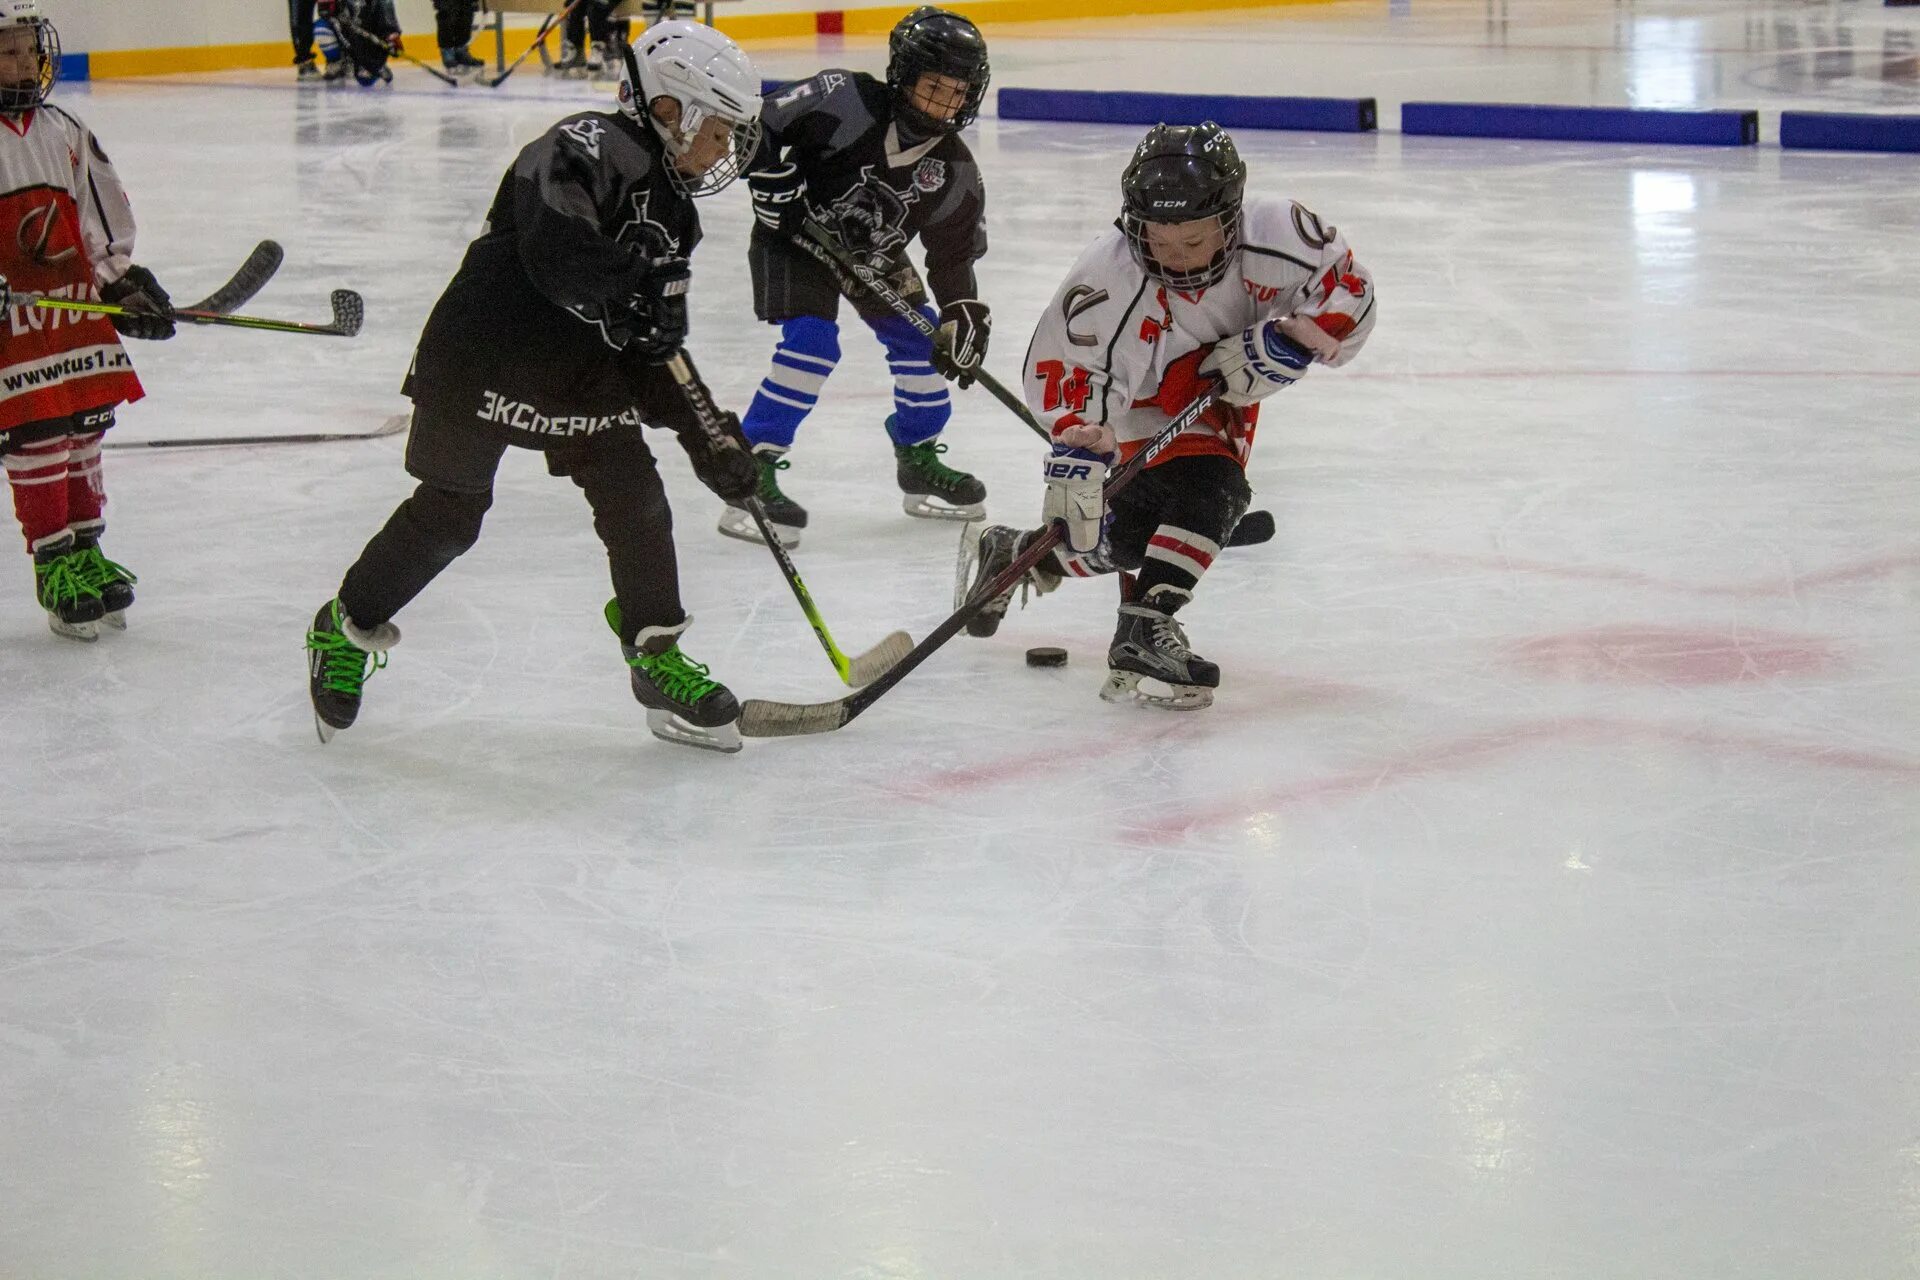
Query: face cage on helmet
[902, 79]
[46, 39]
[1200, 277]
[746, 141]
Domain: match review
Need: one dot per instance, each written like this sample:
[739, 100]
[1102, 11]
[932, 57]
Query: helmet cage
[696, 78]
[950, 46]
[1204, 277]
[17, 98]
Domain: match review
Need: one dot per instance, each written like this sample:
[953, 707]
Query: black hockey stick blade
[1254, 528]
[349, 312]
[393, 426]
[250, 279]
[763, 718]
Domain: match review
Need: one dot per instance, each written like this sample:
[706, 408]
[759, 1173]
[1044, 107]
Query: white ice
[1538, 900]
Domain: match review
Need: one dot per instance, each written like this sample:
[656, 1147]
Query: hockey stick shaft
[391, 427]
[763, 719]
[250, 279]
[819, 243]
[708, 415]
[348, 312]
[341, 25]
[547, 26]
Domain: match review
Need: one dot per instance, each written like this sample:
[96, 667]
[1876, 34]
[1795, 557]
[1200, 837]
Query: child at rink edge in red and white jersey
[66, 231]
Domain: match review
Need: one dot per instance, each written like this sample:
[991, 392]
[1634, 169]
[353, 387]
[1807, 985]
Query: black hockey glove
[728, 470]
[779, 197]
[655, 320]
[961, 344]
[138, 291]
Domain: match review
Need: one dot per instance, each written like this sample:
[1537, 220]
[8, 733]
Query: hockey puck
[1045, 657]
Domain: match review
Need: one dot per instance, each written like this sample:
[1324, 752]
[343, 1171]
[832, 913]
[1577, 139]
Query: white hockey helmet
[24, 95]
[710, 79]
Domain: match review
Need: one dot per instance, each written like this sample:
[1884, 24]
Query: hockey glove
[778, 197]
[327, 9]
[728, 470]
[1075, 472]
[655, 324]
[961, 344]
[139, 292]
[1256, 364]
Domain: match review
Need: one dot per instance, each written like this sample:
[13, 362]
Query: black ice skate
[985, 553]
[73, 604]
[933, 490]
[788, 518]
[572, 63]
[1149, 645]
[340, 657]
[113, 581]
[685, 705]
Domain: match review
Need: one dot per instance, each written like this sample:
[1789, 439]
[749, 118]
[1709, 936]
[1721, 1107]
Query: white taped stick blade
[762, 719]
[863, 669]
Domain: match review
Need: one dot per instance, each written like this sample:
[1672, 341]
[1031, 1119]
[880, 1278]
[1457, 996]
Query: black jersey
[528, 339]
[875, 188]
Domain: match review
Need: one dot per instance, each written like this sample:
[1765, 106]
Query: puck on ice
[1045, 657]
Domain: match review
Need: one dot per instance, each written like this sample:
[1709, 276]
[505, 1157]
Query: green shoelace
[63, 580]
[770, 469]
[678, 676]
[925, 458]
[99, 572]
[347, 665]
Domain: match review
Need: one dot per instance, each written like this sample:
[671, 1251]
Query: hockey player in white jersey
[66, 231]
[1196, 286]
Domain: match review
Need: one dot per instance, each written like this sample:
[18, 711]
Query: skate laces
[676, 675]
[346, 666]
[770, 469]
[925, 458]
[1169, 635]
[99, 572]
[63, 581]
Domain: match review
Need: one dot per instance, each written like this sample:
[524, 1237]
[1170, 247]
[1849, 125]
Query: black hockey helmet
[1183, 173]
[939, 42]
[24, 94]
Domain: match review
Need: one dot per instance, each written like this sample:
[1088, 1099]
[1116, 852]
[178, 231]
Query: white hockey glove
[1264, 359]
[1075, 472]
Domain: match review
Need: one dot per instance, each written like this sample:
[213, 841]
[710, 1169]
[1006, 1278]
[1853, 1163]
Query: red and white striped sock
[37, 473]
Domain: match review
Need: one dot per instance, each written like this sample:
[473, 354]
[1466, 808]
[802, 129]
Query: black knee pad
[447, 523]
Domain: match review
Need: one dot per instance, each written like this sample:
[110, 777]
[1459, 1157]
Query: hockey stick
[337, 22]
[349, 312]
[820, 244]
[760, 718]
[250, 279]
[863, 669]
[391, 427]
[539, 40]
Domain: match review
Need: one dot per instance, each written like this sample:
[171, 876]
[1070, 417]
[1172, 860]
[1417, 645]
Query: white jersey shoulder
[57, 151]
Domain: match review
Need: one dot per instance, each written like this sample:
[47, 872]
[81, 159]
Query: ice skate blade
[668, 727]
[926, 507]
[84, 632]
[117, 620]
[1124, 686]
[735, 523]
[323, 729]
[967, 561]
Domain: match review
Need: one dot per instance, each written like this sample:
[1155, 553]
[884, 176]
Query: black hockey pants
[455, 21]
[441, 521]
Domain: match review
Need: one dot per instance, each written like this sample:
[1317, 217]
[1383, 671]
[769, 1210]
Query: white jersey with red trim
[1116, 348]
[65, 229]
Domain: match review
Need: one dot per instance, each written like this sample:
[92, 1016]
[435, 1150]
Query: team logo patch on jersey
[587, 133]
[930, 176]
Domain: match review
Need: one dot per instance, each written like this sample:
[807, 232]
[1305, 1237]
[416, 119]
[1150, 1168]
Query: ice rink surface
[1539, 899]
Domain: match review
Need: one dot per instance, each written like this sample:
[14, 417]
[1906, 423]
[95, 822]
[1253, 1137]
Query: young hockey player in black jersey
[1196, 287]
[876, 164]
[551, 337]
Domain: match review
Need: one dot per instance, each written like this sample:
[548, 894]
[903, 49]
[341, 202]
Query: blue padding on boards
[1581, 124]
[1325, 115]
[75, 66]
[1837, 131]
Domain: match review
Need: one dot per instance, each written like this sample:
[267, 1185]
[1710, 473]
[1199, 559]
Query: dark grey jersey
[533, 318]
[875, 188]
